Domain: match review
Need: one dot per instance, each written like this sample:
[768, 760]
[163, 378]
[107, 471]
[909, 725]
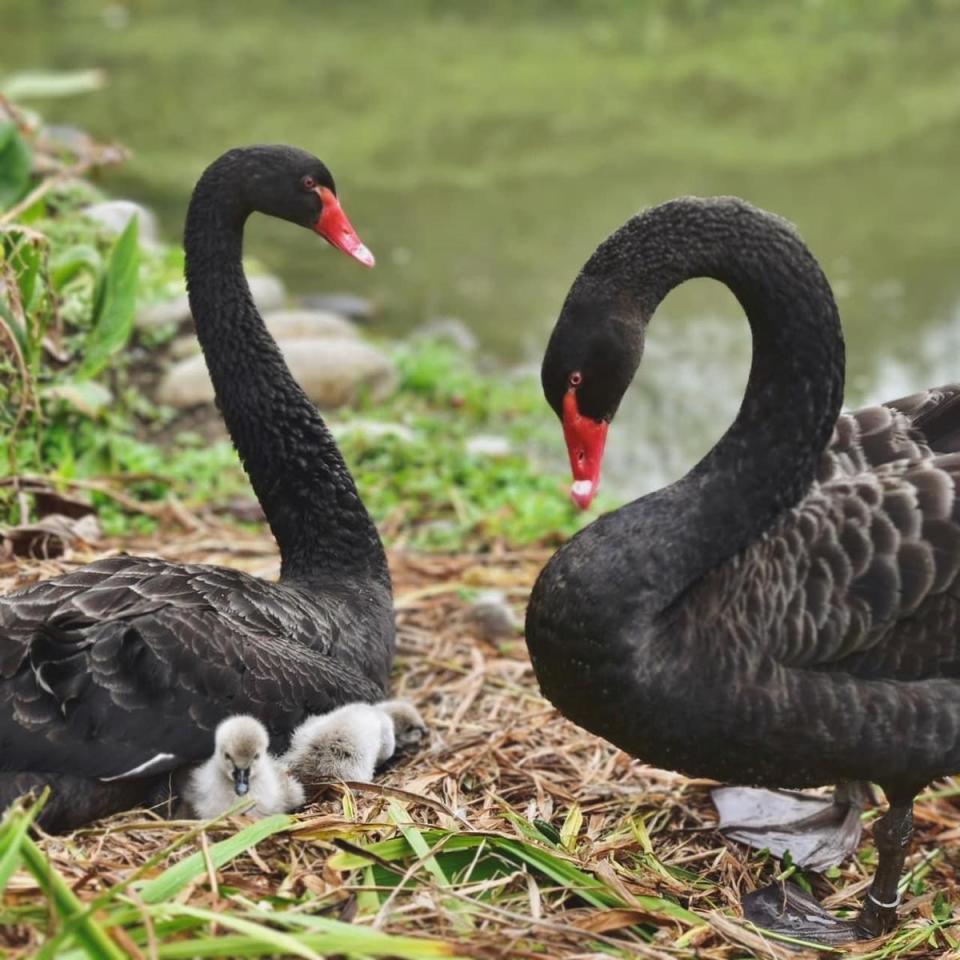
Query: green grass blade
[277, 940]
[417, 843]
[174, 879]
[328, 936]
[554, 866]
[89, 934]
[112, 893]
[14, 829]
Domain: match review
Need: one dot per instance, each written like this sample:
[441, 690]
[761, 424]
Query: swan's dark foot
[819, 832]
[785, 909]
[409, 727]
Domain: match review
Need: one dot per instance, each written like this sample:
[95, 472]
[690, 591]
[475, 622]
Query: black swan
[786, 614]
[117, 673]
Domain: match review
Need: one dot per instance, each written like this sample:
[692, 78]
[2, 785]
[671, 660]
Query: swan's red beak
[336, 229]
[585, 438]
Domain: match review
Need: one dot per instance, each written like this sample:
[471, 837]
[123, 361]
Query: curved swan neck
[293, 463]
[767, 460]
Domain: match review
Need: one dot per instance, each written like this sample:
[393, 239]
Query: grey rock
[448, 330]
[185, 346]
[174, 311]
[268, 293]
[332, 372]
[306, 324]
[114, 215]
[346, 304]
[373, 430]
[284, 325]
[488, 445]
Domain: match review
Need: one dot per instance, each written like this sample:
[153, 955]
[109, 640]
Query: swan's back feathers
[867, 558]
[129, 659]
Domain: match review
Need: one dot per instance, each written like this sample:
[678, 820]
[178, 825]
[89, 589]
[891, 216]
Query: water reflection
[483, 153]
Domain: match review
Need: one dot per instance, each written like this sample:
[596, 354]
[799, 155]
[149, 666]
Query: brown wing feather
[858, 577]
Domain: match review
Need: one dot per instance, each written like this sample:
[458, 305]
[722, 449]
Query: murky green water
[482, 155]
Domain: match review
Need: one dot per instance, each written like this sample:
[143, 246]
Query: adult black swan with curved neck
[786, 614]
[117, 673]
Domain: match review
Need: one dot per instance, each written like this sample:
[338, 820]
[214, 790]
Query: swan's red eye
[576, 378]
[309, 183]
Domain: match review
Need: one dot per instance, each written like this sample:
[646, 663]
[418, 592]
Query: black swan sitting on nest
[117, 673]
[786, 614]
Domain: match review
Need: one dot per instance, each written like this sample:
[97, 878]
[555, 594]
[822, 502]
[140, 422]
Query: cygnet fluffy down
[241, 765]
[346, 744]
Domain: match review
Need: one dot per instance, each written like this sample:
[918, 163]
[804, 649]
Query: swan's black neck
[295, 468]
[767, 460]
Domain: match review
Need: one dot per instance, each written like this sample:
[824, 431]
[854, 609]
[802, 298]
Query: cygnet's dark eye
[309, 183]
[575, 379]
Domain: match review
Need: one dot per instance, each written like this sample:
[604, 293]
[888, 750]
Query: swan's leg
[819, 832]
[892, 835]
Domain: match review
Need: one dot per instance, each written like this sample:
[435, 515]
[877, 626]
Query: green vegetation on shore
[72, 407]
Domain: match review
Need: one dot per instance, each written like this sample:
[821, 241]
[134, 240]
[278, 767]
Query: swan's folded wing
[910, 428]
[866, 559]
[128, 665]
[142, 696]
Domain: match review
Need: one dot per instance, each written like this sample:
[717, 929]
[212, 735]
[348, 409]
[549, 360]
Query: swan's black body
[787, 613]
[123, 668]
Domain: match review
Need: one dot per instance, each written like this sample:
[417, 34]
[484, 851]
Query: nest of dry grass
[511, 834]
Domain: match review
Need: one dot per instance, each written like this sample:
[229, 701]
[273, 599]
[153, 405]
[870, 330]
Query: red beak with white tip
[585, 439]
[336, 229]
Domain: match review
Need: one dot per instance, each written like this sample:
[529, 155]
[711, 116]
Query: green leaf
[68, 263]
[52, 83]
[15, 162]
[16, 327]
[571, 827]
[113, 318]
[26, 260]
[554, 866]
[178, 876]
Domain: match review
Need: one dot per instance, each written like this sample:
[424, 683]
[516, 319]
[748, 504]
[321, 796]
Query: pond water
[483, 153]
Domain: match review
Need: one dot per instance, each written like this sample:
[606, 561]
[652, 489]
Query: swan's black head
[293, 185]
[591, 358]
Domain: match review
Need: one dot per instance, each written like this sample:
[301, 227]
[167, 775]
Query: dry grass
[514, 834]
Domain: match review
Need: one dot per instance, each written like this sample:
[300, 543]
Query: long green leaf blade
[113, 321]
[179, 875]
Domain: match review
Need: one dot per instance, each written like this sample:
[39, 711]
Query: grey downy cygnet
[348, 743]
[241, 765]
